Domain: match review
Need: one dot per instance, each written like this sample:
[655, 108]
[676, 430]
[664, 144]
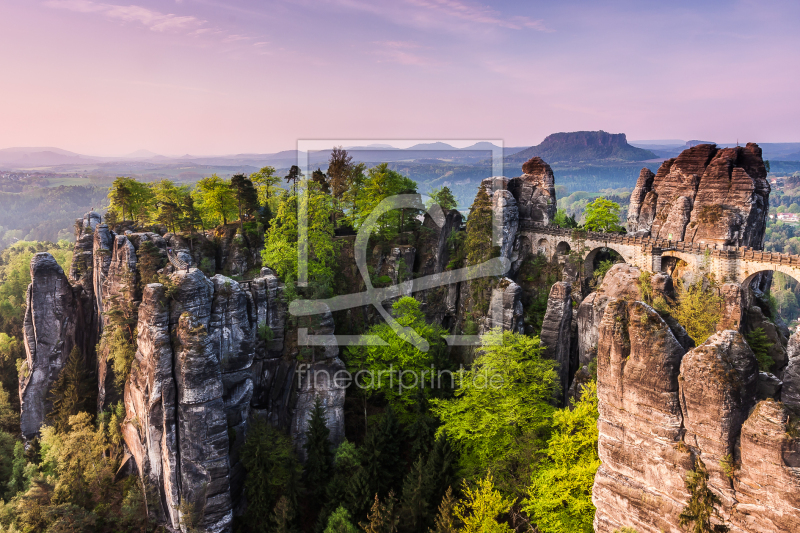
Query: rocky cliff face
[662, 410]
[51, 314]
[707, 194]
[211, 353]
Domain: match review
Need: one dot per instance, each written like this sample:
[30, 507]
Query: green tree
[339, 169]
[293, 177]
[340, 522]
[444, 198]
[759, 343]
[414, 509]
[271, 472]
[266, 182]
[560, 494]
[7, 445]
[602, 215]
[345, 462]
[72, 392]
[215, 200]
[479, 247]
[505, 394]
[481, 508]
[698, 514]
[698, 309]
[9, 416]
[280, 251]
[383, 361]
[563, 220]
[129, 197]
[319, 177]
[381, 183]
[282, 516]
[440, 469]
[170, 200]
[319, 458]
[246, 196]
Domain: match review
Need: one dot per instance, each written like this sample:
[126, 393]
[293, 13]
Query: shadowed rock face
[49, 327]
[706, 194]
[556, 334]
[790, 393]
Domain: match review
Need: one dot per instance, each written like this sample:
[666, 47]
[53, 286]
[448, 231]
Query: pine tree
[246, 196]
[414, 508]
[422, 430]
[339, 522]
[318, 453]
[391, 462]
[759, 343]
[481, 508]
[319, 177]
[339, 166]
[72, 391]
[446, 519]
[383, 517]
[440, 469]
[702, 504]
[282, 516]
[359, 492]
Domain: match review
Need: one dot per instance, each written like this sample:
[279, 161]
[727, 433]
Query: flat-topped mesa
[705, 195]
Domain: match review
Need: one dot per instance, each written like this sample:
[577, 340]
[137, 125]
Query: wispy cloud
[402, 52]
[478, 14]
[149, 18]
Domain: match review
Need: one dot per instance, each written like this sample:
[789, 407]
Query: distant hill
[38, 157]
[586, 146]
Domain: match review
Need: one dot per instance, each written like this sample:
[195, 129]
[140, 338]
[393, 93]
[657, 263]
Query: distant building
[789, 217]
[777, 183]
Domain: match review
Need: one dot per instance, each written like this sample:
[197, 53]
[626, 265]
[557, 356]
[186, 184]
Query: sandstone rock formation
[556, 335]
[790, 393]
[707, 194]
[535, 192]
[505, 308]
[660, 411]
[49, 326]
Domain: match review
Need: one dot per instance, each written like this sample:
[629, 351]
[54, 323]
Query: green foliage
[602, 215]
[149, 261]
[9, 416]
[399, 354]
[602, 270]
[215, 200]
[272, 471]
[698, 514]
[759, 343]
[560, 495]
[729, 466]
[340, 522]
[482, 507]
[7, 446]
[443, 197]
[563, 220]
[280, 252]
[345, 462]
[504, 395]
[131, 200]
[282, 516]
[119, 351]
[246, 196]
[72, 392]
[267, 184]
[319, 459]
[478, 246]
[381, 182]
[698, 309]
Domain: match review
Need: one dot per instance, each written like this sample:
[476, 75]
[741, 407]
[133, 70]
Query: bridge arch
[563, 248]
[542, 247]
[750, 274]
[597, 252]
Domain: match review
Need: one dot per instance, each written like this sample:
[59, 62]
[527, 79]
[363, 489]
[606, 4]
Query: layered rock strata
[556, 335]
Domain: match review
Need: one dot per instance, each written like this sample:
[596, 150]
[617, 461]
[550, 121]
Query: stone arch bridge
[726, 263]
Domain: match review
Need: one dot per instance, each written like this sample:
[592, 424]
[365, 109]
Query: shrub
[759, 343]
[699, 309]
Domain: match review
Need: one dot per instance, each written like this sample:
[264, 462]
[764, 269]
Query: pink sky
[211, 77]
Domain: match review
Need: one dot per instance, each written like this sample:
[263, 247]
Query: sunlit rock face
[705, 195]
